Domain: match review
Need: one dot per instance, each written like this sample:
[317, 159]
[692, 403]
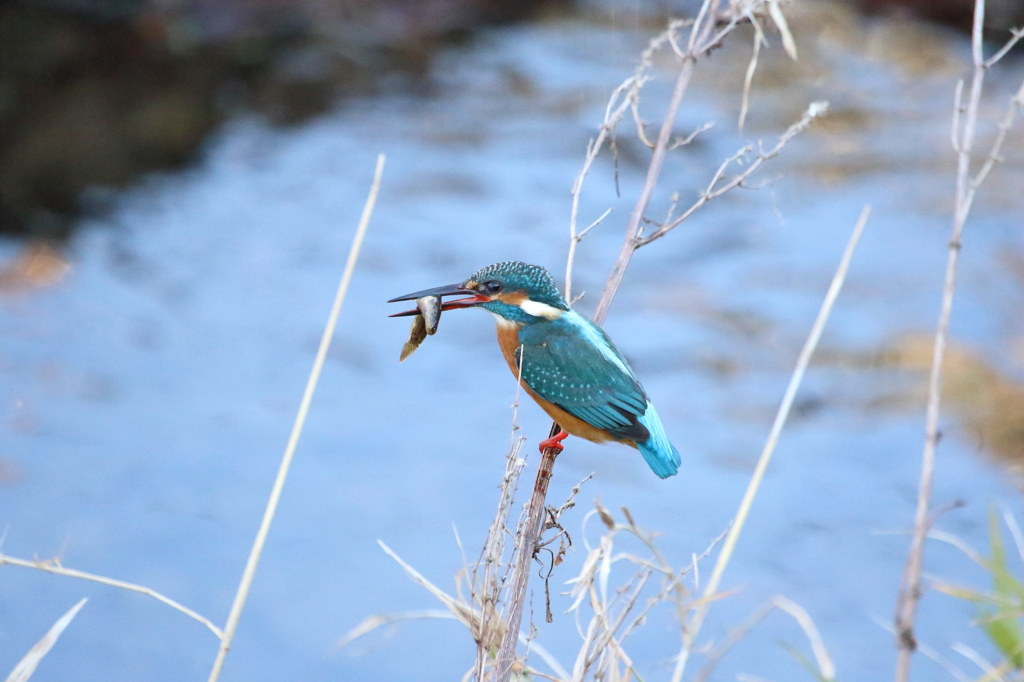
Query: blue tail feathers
[659, 454]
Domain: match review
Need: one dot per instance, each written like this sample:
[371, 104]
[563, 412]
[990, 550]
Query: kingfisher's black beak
[447, 290]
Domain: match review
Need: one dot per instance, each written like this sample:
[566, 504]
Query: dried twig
[54, 566]
[814, 110]
[527, 541]
[293, 440]
[966, 187]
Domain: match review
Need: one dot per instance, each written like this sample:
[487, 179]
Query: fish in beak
[429, 306]
[474, 298]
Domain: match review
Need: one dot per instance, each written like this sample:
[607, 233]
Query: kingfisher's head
[513, 291]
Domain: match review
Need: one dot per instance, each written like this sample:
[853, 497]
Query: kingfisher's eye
[492, 287]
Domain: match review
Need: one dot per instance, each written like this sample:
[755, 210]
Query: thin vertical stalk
[910, 582]
[692, 627]
[293, 440]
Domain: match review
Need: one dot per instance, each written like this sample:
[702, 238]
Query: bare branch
[1016, 102]
[958, 109]
[617, 105]
[910, 590]
[683, 141]
[813, 111]
[634, 227]
[593, 224]
[54, 566]
[1015, 35]
[491, 572]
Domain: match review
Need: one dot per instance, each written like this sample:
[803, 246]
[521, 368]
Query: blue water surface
[148, 396]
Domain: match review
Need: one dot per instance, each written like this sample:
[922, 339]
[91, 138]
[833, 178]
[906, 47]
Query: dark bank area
[95, 93]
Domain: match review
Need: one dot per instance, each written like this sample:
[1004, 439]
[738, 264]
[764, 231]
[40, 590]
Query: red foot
[555, 442]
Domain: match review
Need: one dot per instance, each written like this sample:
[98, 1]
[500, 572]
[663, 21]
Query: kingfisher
[567, 363]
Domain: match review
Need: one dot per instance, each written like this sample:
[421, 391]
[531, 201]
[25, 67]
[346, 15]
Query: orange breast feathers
[508, 340]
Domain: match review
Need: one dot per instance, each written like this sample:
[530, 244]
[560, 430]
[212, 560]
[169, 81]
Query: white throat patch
[538, 309]
[503, 323]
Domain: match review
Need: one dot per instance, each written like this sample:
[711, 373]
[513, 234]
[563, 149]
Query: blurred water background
[153, 356]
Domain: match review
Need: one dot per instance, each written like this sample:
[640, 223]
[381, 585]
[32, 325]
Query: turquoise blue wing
[572, 363]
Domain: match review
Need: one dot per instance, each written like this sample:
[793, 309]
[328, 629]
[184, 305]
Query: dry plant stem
[526, 546]
[53, 566]
[635, 224]
[617, 614]
[300, 420]
[966, 187]
[488, 589]
[693, 625]
[697, 45]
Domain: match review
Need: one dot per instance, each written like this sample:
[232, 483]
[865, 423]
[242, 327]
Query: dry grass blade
[1014, 528]
[991, 673]
[54, 566]
[960, 544]
[780, 21]
[616, 613]
[560, 673]
[748, 79]
[694, 624]
[826, 668]
[300, 420]
[371, 623]
[463, 612]
[27, 665]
